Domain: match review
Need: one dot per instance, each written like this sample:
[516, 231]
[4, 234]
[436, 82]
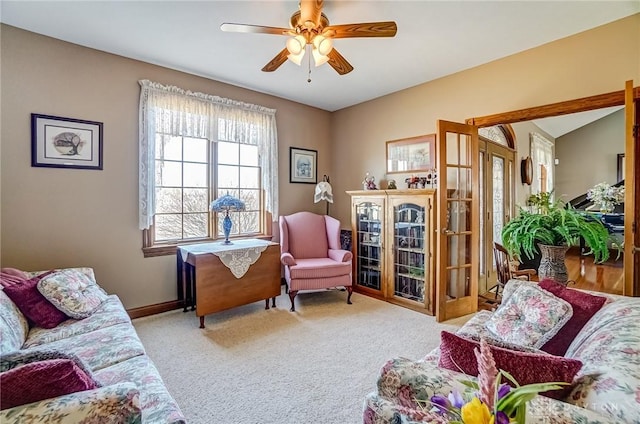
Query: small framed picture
[303, 165]
[58, 142]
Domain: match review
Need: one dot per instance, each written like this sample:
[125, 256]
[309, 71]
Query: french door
[458, 220]
[496, 168]
[632, 192]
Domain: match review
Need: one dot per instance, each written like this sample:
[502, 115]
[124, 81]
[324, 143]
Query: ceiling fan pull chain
[309, 64]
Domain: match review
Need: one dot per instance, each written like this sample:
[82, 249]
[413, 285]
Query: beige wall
[523, 132]
[55, 217]
[60, 217]
[593, 62]
[599, 144]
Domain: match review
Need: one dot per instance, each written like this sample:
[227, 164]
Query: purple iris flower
[456, 399]
[441, 402]
[501, 418]
[503, 390]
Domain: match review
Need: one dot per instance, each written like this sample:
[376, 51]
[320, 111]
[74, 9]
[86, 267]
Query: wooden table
[208, 285]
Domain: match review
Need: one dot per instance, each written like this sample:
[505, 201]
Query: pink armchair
[311, 254]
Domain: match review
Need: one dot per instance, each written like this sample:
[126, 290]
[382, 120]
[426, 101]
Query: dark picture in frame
[303, 166]
[620, 166]
[58, 142]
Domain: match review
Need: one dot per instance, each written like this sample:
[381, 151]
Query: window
[194, 148]
[542, 158]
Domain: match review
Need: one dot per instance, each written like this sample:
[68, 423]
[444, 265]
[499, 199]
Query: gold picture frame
[415, 154]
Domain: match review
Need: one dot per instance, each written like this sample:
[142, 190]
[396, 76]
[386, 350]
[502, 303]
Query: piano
[614, 221]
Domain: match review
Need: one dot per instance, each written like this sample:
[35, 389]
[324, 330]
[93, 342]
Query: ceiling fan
[310, 27]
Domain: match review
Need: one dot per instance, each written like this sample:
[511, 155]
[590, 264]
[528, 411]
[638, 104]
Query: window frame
[152, 248]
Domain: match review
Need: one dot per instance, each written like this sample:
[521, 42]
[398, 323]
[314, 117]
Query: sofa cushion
[13, 325]
[156, 401]
[103, 347]
[530, 317]
[609, 347]
[72, 292]
[38, 310]
[111, 312]
[584, 306]
[42, 380]
[457, 354]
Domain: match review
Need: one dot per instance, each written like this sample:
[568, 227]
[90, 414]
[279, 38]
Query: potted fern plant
[553, 227]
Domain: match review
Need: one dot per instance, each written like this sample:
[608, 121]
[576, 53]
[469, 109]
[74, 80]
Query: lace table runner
[238, 256]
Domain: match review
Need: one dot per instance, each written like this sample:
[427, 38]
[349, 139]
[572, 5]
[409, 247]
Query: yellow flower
[476, 412]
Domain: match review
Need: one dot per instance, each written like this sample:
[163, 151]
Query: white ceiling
[434, 39]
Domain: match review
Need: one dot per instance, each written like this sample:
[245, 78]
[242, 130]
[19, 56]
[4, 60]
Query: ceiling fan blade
[338, 62]
[254, 29]
[310, 11]
[367, 29]
[276, 61]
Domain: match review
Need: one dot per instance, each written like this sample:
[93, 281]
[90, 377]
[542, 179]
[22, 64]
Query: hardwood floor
[607, 277]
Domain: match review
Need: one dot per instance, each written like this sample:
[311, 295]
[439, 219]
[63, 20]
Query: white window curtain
[175, 111]
[541, 155]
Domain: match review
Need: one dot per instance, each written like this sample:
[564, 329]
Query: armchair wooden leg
[350, 290]
[292, 295]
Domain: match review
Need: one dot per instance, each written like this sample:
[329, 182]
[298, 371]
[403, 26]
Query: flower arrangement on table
[606, 196]
[489, 401]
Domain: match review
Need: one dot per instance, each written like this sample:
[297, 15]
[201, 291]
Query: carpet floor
[251, 365]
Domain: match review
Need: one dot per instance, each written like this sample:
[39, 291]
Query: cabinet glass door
[368, 250]
[409, 270]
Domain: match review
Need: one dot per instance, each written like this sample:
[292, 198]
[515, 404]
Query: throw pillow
[530, 317]
[38, 310]
[18, 358]
[42, 380]
[457, 354]
[584, 307]
[72, 292]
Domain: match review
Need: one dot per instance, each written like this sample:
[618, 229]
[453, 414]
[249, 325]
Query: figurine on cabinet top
[391, 185]
[369, 182]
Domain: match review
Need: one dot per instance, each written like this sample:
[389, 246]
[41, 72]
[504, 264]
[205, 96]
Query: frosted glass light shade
[296, 58]
[323, 45]
[318, 58]
[296, 44]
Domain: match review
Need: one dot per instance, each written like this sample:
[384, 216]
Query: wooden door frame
[490, 148]
[615, 98]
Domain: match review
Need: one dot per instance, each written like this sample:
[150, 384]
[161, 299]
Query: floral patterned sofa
[605, 390]
[128, 387]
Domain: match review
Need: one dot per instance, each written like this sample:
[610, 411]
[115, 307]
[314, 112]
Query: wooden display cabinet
[393, 244]
[367, 225]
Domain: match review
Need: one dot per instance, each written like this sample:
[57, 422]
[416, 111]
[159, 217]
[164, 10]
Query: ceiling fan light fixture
[318, 58]
[296, 58]
[295, 45]
[323, 45]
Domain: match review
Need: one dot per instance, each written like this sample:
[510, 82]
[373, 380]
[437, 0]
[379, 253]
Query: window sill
[171, 249]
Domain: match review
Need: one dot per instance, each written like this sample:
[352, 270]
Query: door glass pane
[465, 146]
[459, 282]
[452, 183]
[452, 149]
[465, 183]
[498, 197]
[459, 250]
[483, 214]
[369, 245]
[408, 251]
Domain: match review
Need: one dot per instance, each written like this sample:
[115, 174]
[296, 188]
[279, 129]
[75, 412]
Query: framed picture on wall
[58, 142]
[411, 154]
[620, 166]
[303, 165]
